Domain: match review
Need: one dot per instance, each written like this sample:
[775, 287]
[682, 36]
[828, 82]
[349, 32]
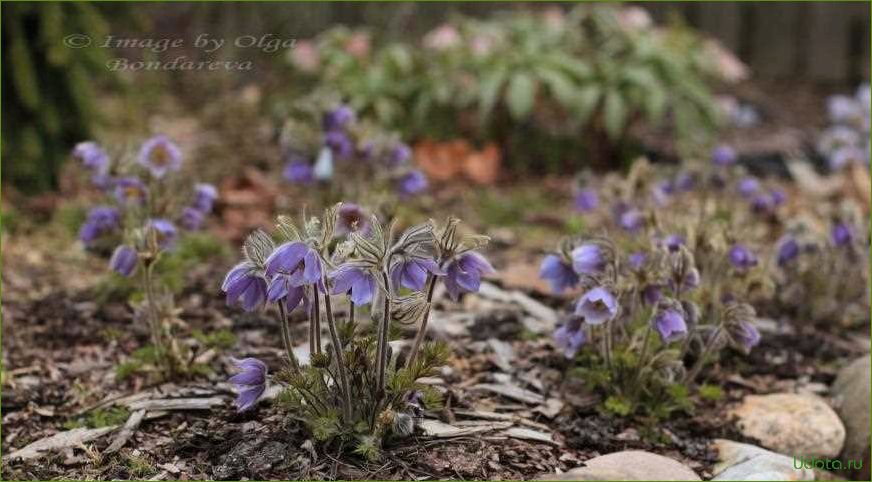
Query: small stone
[738, 461]
[851, 393]
[792, 424]
[628, 465]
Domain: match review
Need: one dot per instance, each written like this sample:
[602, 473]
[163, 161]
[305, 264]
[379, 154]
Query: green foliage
[69, 218]
[149, 362]
[711, 393]
[221, 339]
[139, 467]
[100, 417]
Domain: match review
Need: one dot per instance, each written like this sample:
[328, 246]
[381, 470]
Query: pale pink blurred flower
[358, 45]
[443, 37]
[730, 68]
[634, 18]
[305, 56]
[481, 45]
[554, 18]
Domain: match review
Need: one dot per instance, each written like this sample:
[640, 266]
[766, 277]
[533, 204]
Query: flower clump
[353, 387]
[846, 141]
[141, 219]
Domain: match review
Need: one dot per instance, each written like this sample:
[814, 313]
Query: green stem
[286, 338]
[643, 357]
[422, 330]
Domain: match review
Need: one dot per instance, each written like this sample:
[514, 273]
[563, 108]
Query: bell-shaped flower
[250, 382]
[358, 283]
[296, 260]
[597, 306]
[558, 273]
[244, 286]
[464, 272]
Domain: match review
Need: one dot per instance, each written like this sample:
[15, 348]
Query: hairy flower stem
[315, 324]
[286, 338]
[154, 320]
[691, 375]
[422, 330]
[382, 352]
[340, 358]
[643, 357]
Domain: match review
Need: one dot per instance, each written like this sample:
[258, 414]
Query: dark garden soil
[60, 350]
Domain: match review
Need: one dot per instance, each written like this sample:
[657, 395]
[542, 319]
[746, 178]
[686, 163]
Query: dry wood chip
[511, 391]
[177, 404]
[437, 429]
[62, 440]
[528, 434]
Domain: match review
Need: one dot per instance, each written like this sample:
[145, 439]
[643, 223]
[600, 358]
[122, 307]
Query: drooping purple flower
[777, 197]
[191, 219]
[92, 157]
[762, 203]
[842, 234]
[296, 260]
[569, 337]
[558, 273]
[164, 231]
[748, 186]
[670, 325]
[673, 242]
[637, 260]
[661, 192]
[250, 382]
[101, 220]
[744, 335]
[281, 289]
[464, 272]
[298, 172]
[244, 286]
[723, 155]
[358, 283]
[160, 155]
[788, 250]
[412, 273]
[588, 259]
[130, 191]
[586, 200]
[597, 306]
[631, 219]
[685, 181]
[351, 218]
[742, 257]
[338, 118]
[400, 154]
[689, 281]
[123, 260]
[339, 143]
[204, 197]
[651, 294]
[413, 182]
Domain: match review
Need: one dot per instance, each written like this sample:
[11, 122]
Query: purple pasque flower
[651, 294]
[743, 334]
[558, 272]
[688, 281]
[359, 283]
[637, 260]
[191, 219]
[413, 182]
[597, 306]
[339, 143]
[724, 155]
[670, 325]
[101, 220]
[160, 155]
[684, 181]
[845, 156]
[338, 118]
[123, 260]
[788, 250]
[245, 286]
[130, 191]
[748, 186]
[92, 156]
[463, 273]
[630, 219]
[351, 218]
[762, 203]
[250, 382]
[777, 197]
[281, 288]
[296, 260]
[742, 257]
[586, 200]
[661, 192]
[400, 154]
[588, 259]
[298, 172]
[673, 242]
[412, 273]
[842, 234]
[164, 231]
[204, 197]
[570, 336]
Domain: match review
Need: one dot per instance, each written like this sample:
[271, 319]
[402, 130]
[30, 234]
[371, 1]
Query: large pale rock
[738, 461]
[792, 424]
[628, 465]
[852, 395]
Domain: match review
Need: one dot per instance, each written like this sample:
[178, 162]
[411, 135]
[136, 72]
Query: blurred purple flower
[101, 220]
[164, 231]
[570, 336]
[204, 197]
[93, 157]
[130, 191]
[744, 335]
[631, 219]
[298, 172]
[588, 259]
[412, 273]
[400, 154]
[296, 260]
[684, 181]
[842, 234]
[412, 183]
[670, 325]
[673, 242]
[597, 306]
[250, 382]
[191, 219]
[338, 118]
[339, 143]
[651, 294]
[123, 260]
[351, 218]
[742, 257]
[358, 283]
[586, 200]
[748, 186]
[244, 287]
[788, 250]
[637, 260]
[464, 272]
[160, 155]
[724, 155]
[280, 288]
[558, 273]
